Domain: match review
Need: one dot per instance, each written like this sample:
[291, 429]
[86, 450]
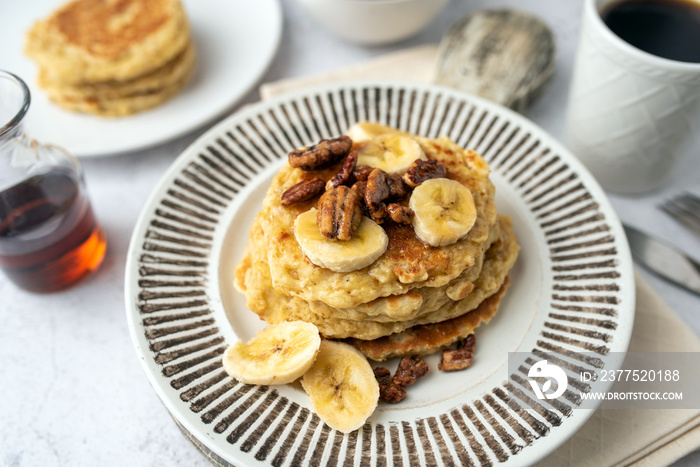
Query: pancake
[175, 71]
[131, 97]
[252, 273]
[274, 306]
[427, 339]
[408, 263]
[106, 40]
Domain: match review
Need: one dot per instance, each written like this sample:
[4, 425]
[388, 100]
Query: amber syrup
[49, 237]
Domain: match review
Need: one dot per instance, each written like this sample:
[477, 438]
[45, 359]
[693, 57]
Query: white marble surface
[73, 392]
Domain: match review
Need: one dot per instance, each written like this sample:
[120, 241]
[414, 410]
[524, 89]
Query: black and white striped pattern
[171, 306]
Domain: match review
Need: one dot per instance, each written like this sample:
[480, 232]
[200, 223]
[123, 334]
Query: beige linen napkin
[610, 437]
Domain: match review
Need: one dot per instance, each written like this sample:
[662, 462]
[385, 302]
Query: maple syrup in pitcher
[665, 28]
[49, 236]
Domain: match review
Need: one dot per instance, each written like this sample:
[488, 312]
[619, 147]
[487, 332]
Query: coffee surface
[666, 28]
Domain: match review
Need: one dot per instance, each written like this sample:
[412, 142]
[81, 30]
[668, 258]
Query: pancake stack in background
[415, 297]
[113, 57]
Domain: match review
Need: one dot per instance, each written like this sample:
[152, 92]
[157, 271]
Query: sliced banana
[393, 153]
[368, 244]
[364, 131]
[341, 386]
[279, 354]
[444, 211]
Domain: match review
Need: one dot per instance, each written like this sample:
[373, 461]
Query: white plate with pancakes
[571, 292]
[227, 67]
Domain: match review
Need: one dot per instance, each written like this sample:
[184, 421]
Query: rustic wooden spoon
[504, 55]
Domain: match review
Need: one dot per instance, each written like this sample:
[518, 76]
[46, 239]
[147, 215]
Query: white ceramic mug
[629, 112]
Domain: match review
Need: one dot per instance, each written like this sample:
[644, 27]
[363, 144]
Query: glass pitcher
[49, 237]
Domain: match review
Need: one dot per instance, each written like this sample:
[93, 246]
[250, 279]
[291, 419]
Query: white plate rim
[545, 444]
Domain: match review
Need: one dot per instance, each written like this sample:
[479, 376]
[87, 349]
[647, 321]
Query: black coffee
[667, 28]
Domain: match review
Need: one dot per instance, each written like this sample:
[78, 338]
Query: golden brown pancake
[104, 40]
[427, 339]
[274, 306]
[414, 299]
[116, 99]
[408, 263]
[173, 72]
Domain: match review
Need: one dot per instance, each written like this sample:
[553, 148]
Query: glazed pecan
[422, 170]
[389, 391]
[344, 175]
[361, 172]
[360, 188]
[376, 192]
[468, 344]
[399, 214]
[411, 368]
[325, 152]
[455, 359]
[397, 187]
[339, 213]
[302, 191]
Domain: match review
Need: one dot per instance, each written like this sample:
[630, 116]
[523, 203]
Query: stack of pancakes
[414, 299]
[113, 57]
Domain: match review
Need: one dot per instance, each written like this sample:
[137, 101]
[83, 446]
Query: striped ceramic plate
[572, 289]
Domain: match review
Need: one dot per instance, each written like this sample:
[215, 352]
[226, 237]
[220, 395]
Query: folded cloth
[609, 437]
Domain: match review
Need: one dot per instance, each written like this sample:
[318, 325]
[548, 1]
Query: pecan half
[389, 391]
[468, 344]
[399, 214]
[411, 368]
[361, 172]
[397, 187]
[422, 170]
[344, 175]
[376, 192]
[325, 152]
[455, 359]
[339, 213]
[302, 191]
[360, 188]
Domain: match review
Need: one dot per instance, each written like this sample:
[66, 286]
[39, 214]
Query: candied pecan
[325, 152]
[302, 191]
[468, 344]
[376, 192]
[339, 213]
[360, 188]
[455, 359]
[389, 391]
[411, 368]
[397, 187]
[422, 170]
[399, 214]
[344, 175]
[361, 172]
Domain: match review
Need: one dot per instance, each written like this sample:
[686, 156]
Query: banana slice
[341, 386]
[279, 354]
[444, 211]
[363, 249]
[364, 131]
[393, 153]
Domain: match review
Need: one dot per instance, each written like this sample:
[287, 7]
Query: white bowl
[373, 22]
